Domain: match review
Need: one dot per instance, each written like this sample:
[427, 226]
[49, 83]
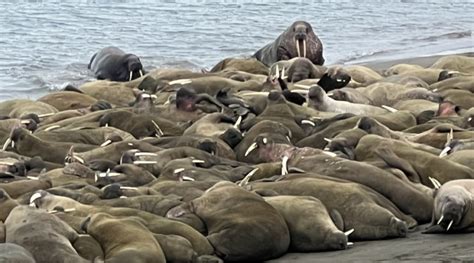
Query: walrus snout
[338, 241]
[400, 227]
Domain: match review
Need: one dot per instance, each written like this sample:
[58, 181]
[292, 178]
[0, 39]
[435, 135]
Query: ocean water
[45, 45]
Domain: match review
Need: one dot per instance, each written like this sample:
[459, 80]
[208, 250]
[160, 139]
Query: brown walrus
[299, 40]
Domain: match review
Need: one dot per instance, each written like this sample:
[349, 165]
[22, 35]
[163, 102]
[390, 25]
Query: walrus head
[301, 30]
[334, 78]
[134, 66]
[453, 206]
[316, 94]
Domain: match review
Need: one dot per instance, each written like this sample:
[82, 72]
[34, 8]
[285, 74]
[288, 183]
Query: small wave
[451, 35]
[365, 55]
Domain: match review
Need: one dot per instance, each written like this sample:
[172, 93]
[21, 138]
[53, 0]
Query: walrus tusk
[445, 151]
[178, 170]
[252, 147]
[247, 178]
[308, 122]
[198, 161]
[46, 115]
[180, 81]
[330, 94]
[141, 73]
[52, 127]
[283, 76]
[450, 224]
[186, 178]
[435, 182]
[297, 44]
[128, 188]
[65, 211]
[347, 233]
[123, 196]
[106, 143]
[32, 178]
[131, 74]
[7, 142]
[389, 108]
[157, 128]
[35, 197]
[327, 139]
[302, 86]
[284, 165]
[440, 220]
[145, 162]
[277, 72]
[350, 244]
[450, 136]
[304, 47]
[237, 123]
[330, 153]
[145, 154]
[79, 159]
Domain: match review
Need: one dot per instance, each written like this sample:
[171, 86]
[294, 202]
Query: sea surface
[45, 45]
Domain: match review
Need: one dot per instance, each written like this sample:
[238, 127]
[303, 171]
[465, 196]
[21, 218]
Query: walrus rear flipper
[394, 161]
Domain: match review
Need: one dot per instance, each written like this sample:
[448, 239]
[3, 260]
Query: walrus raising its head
[113, 64]
[298, 40]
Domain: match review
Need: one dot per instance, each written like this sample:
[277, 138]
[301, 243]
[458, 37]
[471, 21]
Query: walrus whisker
[445, 151]
[7, 143]
[157, 128]
[389, 108]
[106, 143]
[252, 147]
[46, 115]
[450, 224]
[304, 48]
[131, 75]
[247, 178]
[284, 165]
[308, 122]
[145, 162]
[347, 233]
[52, 127]
[440, 220]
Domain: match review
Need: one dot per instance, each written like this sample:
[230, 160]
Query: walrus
[13, 253]
[241, 225]
[18, 108]
[453, 207]
[463, 64]
[250, 65]
[154, 223]
[299, 68]
[124, 240]
[298, 40]
[113, 64]
[318, 99]
[367, 212]
[44, 235]
[68, 100]
[311, 227]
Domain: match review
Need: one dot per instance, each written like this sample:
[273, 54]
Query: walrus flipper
[90, 62]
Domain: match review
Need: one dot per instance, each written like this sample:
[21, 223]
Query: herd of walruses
[245, 162]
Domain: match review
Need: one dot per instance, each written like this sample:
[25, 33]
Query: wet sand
[416, 247]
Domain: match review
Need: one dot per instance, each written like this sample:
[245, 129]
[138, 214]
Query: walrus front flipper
[70, 87]
[388, 156]
[337, 219]
[90, 62]
[434, 229]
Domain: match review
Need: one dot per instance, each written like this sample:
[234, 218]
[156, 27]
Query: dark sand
[417, 247]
